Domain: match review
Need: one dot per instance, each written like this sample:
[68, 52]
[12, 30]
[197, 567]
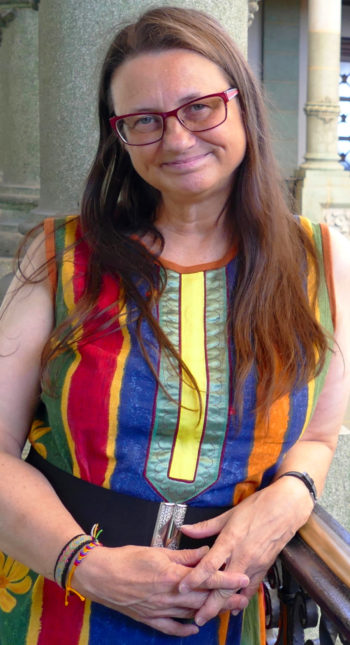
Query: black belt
[124, 519]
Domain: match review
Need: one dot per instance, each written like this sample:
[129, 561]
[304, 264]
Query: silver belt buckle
[167, 528]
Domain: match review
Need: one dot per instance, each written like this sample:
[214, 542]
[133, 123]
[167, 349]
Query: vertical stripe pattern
[112, 423]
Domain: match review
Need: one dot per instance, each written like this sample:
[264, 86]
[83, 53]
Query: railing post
[297, 611]
[313, 571]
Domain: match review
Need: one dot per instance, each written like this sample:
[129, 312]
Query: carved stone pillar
[72, 41]
[323, 183]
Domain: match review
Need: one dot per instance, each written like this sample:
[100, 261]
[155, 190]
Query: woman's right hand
[142, 583]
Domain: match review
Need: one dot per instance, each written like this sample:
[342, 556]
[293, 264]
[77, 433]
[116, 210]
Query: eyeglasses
[144, 128]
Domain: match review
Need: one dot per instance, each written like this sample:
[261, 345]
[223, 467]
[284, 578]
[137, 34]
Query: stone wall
[281, 20]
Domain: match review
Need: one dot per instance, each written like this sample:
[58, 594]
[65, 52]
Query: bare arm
[253, 533]
[25, 324]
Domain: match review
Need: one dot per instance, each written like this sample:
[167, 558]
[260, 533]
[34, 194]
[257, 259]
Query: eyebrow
[182, 101]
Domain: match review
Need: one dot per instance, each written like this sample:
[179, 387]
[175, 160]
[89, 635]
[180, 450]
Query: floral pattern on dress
[13, 580]
[37, 431]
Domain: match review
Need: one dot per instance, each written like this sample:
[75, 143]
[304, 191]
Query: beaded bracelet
[80, 556]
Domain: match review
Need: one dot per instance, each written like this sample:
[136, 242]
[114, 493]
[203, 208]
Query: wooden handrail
[318, 558]
[329, 544]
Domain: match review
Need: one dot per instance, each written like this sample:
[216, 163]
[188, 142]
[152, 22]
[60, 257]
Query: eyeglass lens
[197, 116]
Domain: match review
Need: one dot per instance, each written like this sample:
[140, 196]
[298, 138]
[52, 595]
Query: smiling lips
[185, 162]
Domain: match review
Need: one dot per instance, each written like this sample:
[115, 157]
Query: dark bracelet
[306, 479]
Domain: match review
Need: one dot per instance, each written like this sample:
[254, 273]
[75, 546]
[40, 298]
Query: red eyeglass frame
[227, 95]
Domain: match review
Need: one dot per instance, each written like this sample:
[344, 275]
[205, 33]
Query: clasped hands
[158, 586]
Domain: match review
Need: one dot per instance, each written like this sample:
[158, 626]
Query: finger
[251, 590]
[192, 600]
[218, 601]
[210, 564]
[173, 627]
[167, 602]
[188, 557]
[227, 579]
[207, 527]
[174, 612]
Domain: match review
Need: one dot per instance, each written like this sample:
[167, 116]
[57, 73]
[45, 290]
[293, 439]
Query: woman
[187, 357]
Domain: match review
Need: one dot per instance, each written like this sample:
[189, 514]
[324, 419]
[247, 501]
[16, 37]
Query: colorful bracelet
[79, 558]
[66, 553]
[69, 551]
[70, 560]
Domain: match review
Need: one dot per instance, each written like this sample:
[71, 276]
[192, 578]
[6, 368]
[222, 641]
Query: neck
[194, 234]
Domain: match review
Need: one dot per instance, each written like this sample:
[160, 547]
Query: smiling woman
[170, 350]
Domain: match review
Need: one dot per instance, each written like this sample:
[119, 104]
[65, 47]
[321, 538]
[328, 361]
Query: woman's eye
[197, 107]
[144, 120]
[196, 111]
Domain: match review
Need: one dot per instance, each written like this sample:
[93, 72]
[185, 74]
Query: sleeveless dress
[110, 423]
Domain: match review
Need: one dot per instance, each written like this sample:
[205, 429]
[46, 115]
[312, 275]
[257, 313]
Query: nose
[176, 136]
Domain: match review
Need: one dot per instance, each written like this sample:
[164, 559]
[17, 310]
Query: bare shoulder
[26, 322]
[27, 310]
[340, 248]
[331, 406]
[32, 270]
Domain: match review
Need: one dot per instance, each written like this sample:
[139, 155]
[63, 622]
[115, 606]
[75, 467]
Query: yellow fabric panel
[190, 426]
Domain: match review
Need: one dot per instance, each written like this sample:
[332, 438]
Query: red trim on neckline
[195, 268]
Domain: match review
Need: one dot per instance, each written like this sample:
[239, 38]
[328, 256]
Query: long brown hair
[272, 247]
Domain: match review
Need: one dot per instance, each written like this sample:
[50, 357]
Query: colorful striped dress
[110, 423]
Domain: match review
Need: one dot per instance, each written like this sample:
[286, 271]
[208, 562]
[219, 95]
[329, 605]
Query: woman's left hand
[250, 536]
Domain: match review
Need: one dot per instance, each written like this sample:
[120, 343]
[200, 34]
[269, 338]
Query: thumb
[207, 527]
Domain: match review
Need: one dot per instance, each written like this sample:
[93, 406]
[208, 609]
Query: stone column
[19, 102]
[323, 183]
[72, 41]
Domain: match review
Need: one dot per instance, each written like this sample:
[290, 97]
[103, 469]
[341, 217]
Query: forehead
[162, 79]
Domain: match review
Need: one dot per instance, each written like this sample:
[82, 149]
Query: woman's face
[184, 166]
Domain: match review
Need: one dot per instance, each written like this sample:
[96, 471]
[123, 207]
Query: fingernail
[200, 621]
[235, 612]
[183, 588]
